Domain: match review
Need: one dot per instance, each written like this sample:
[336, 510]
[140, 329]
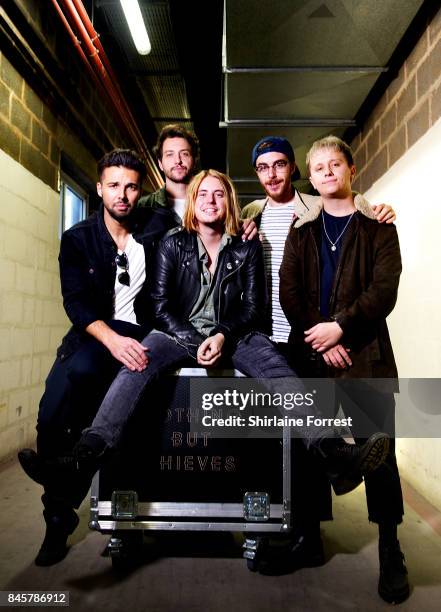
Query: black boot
[393, 585]
[346, 463]
[47, 471]
[59, 526]
[32, 465]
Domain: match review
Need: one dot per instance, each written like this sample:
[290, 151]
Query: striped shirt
[274, 228]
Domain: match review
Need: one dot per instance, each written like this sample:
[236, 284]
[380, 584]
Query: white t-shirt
[178, 205]
[125, 296]
[274, 228]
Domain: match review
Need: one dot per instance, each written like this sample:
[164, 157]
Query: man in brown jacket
[338, 282]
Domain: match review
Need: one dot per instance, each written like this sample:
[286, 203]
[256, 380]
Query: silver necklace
[333, 244]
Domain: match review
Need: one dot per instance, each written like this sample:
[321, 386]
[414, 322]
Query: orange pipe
[76, 42]
[99, 57]
[95, 40]
[101, 71]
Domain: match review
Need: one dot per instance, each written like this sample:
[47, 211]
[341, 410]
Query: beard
[121, 216]
[184, 178]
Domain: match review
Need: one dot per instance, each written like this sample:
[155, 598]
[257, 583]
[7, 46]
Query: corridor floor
[206, 573]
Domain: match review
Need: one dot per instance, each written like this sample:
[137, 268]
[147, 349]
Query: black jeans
[254, 355]
[373, 410]
[74, 390]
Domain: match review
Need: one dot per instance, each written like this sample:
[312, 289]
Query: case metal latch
[256, 506]
[124, 504]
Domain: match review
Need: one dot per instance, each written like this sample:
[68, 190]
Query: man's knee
[263, 352]
[91, 363]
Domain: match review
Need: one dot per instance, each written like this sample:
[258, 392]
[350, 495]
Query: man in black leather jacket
[104, 335]
[209, 299]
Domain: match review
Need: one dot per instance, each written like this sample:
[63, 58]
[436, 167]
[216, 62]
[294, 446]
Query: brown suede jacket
[364, 290]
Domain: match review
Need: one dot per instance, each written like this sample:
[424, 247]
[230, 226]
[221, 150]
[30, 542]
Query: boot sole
[374, 454]
[394, 598]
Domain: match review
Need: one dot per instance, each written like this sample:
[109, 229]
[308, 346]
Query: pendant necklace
[333, 244]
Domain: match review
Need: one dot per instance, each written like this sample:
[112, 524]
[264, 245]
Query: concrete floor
[200, 580]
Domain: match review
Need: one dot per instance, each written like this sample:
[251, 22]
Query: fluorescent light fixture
[136, 25]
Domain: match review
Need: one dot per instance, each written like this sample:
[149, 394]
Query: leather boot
[32, 465]
[347, 463]
[59, 526]
[393, 584]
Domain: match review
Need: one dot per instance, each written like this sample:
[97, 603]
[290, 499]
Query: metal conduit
[99, 68]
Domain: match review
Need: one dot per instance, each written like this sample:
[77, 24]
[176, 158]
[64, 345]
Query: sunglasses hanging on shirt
[122, 261]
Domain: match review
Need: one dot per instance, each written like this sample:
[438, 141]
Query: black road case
[167, 477]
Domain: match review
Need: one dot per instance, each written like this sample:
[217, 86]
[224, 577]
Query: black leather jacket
[239, 295]
[88, 269]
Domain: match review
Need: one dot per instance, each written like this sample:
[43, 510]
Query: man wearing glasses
[274, 162]
[103, 263]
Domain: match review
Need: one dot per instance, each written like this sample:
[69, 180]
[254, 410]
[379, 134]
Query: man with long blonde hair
[209, 298]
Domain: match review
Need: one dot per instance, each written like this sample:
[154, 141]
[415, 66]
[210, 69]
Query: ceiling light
[136, 25]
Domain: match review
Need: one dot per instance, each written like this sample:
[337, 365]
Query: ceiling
[239, 70]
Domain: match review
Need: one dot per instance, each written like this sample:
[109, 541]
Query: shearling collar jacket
[303, 204]
[239, 293]
[364, 290]
[310, 214]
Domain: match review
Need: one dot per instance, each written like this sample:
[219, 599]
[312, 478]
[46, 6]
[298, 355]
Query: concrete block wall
[406, 111]
[32, 319]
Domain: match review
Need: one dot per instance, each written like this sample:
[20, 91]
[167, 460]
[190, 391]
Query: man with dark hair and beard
[177, 153]
[103, 263]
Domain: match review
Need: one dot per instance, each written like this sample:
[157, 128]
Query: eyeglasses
[122, 262]
[279, 166]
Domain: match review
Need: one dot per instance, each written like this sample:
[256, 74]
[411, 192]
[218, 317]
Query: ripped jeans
[255, 355]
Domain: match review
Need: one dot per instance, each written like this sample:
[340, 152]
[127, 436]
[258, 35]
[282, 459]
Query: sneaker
[393, 584]
[302, 551]
[58, 529]
[347, 463]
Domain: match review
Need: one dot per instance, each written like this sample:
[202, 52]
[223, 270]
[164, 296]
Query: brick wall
[28, 129]
[406, 111]
[33, 130]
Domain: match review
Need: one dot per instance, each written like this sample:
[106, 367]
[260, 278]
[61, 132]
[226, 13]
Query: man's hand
[129, 352]
[249, 229]
[126, 350]
[384, 213]
[338, 357]
[323, 336]
[210, 351]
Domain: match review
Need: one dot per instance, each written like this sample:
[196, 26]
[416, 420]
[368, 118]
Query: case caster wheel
[254, 547]
[125, 549]
[253, 564]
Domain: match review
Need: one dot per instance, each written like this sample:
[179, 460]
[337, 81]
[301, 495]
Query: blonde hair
[330, 142]
[232, 209]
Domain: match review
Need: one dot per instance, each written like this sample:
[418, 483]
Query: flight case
[169, 478]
